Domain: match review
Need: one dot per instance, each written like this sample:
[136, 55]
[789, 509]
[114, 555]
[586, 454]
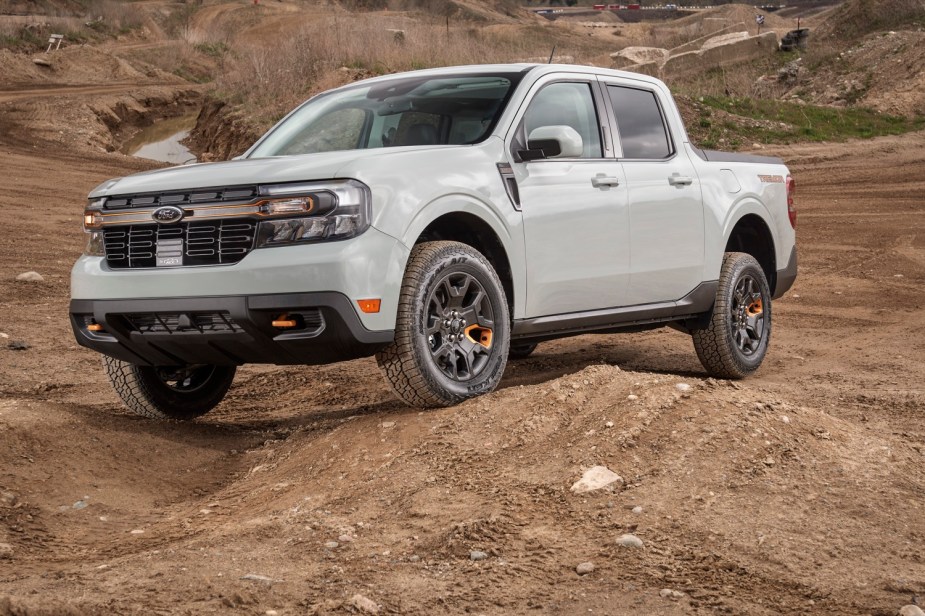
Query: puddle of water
[161, 140]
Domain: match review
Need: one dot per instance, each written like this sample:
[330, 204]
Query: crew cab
[442, 221]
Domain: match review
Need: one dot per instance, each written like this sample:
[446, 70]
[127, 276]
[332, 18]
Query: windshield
[433, 110]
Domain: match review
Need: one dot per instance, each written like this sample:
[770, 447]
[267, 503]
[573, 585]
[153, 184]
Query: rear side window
[642, 128]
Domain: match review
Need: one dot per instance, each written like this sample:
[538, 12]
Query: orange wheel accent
[479, 335]
[755, 308]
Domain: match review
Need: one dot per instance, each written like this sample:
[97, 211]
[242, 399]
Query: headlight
[335, 210]
[93, 220]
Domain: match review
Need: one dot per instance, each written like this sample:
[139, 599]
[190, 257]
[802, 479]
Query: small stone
[8, 499]
[81, 504]
[388, 424]
[667, 593]
[609, 424]
[785, 419]
[911, 610]
[3, 335]
[414, 558]
[331, 545]
[595, 478]
[364, 604]
[769, 461]
[345, 538]
[41, 62]
[584, 568]
[137, 531]
[253, 577]
[637, 509]
[30, 277]
[632, 397]
[6, 551]
[18, 345]
[629, 541]
[271, 613]
[476, 555]
[683, 387]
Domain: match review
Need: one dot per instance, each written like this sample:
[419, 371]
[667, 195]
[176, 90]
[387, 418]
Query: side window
[567, 104]
[642, 128]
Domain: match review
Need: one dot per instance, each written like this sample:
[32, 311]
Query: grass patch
[784, 122]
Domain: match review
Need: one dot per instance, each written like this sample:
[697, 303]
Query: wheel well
[751, 235]
[475, 232]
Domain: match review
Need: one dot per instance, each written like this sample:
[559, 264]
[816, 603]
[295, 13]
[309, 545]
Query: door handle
[680, 180]
[601, 181]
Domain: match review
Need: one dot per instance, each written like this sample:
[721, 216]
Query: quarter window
[642, 127]
[567, 104]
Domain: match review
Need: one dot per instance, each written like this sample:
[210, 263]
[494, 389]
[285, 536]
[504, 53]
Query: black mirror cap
[538, 149]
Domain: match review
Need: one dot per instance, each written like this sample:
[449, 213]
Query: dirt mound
[395, 501]
[882, 71]
[78, 64]
[855, 18]
[732, 14]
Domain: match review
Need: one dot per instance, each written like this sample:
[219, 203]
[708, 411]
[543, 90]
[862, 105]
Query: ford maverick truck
[443, 221]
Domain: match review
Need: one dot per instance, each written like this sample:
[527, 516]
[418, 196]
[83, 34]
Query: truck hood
[322, 166]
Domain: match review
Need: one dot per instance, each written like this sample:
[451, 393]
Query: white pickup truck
[444, 221]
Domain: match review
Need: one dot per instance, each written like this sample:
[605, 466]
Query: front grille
[175, 322]
[183, 197]
[219, 242]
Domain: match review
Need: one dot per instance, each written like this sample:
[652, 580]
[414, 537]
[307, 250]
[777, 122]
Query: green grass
[807, 122]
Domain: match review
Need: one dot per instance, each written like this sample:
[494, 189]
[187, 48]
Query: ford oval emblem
[167, 215]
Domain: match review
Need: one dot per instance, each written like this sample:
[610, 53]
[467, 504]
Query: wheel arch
[472, 230]
[751, 234]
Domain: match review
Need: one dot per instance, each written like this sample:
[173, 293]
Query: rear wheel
[452, 329]
[736, 340]
[178, 393]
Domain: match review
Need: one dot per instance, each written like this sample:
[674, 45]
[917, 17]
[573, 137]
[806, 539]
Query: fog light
[284, 321]
[94, 327]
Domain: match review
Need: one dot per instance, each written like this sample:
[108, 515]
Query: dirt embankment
[221, 133]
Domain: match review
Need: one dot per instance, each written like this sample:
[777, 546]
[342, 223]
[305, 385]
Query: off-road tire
[716, 344]
[521, 350]
[410, 363]
[144, 391]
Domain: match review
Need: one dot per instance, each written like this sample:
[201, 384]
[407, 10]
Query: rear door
[574, 209]
[665, 205]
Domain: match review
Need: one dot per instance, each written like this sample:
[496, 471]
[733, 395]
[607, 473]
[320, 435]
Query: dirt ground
[797, 491]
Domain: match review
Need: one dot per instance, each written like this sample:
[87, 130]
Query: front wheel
[179, 393]
[452, 330]
[735, 342]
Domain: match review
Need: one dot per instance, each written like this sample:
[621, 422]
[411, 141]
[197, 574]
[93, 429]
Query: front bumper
[226, 330]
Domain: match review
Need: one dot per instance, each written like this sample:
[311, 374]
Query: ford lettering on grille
[167, 215]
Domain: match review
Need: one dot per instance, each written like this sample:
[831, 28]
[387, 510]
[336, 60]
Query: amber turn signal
[369, 305]
[94, 327]
[284, 322]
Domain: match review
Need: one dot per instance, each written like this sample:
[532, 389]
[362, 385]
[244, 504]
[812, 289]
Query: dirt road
[796, 491]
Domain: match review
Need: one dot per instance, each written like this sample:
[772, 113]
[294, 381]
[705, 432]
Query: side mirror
[556, 141]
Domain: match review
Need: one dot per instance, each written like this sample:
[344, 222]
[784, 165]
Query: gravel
[477, 555]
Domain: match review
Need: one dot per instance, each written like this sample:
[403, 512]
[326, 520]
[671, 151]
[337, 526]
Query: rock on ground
[911, 610]
[477, 555]
[584, 568]
[629, 541]
[595, 478]
[364, 604]
[30, 277]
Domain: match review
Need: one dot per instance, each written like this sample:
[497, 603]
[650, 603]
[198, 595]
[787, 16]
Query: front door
[575, 209]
